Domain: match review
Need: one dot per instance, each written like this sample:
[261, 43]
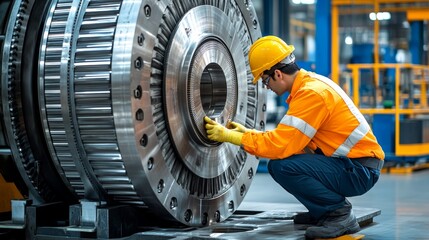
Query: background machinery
[381, 61]
[102, 105]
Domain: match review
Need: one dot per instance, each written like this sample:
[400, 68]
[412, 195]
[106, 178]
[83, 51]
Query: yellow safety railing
[419, 77]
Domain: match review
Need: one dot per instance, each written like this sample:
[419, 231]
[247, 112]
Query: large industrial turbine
[103, 101]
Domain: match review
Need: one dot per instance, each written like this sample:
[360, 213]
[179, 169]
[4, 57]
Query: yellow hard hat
[267, 52]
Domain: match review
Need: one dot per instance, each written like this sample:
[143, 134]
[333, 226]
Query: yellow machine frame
[8, 191]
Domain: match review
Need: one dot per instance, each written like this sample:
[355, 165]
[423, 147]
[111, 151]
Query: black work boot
[339, 222]
[304, 218]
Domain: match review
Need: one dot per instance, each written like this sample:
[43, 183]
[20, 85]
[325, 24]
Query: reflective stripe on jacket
[320, 115]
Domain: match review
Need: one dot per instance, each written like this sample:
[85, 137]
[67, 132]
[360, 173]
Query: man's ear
[278, 73]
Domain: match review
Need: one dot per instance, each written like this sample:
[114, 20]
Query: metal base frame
[85, 220]
[96, 220]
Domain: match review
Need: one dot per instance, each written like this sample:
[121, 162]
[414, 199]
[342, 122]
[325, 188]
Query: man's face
[277, 82]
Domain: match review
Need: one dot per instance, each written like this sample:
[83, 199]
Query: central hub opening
[213, 90]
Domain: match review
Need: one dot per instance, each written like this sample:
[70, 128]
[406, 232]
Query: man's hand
[219, 133]
[234, 126]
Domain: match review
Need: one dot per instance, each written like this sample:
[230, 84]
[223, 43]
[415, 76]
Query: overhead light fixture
[303, 1]
[380, 16]
[348, 40]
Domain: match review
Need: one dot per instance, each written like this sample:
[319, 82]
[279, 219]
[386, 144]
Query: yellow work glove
[234, 126]
[219, 133]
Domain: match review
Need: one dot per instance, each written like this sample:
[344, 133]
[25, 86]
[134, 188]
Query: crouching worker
[323, 149]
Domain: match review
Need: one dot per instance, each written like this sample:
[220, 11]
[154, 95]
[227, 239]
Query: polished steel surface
[122, 88]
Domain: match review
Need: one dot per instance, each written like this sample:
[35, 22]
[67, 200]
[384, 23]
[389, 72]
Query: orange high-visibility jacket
[320, 115]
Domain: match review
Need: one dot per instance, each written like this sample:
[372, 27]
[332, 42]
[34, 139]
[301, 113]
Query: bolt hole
[143, 140]
[231, 207]
[138, 92]
[139, 115]
[262, 124]
[173, 203]
[138, 63]
[217, 216]
[150, 164]
[140, 39]
[147, 10]
[188, 215]
[161, 186]
[250, 173]
[242, 190]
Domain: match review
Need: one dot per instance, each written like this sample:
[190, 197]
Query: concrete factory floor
[402, 199]
[396, 208]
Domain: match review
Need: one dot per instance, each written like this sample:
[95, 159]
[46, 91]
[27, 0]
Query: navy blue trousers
[322, 183]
